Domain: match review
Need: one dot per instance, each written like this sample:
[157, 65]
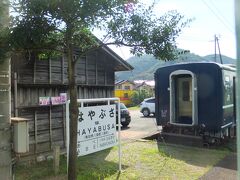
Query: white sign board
[96, 129]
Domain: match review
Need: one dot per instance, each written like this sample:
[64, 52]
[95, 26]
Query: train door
[234, 108]
[234, 100]
[183, 98]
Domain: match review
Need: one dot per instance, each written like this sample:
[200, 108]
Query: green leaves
[31, 33]
[138, 96]
[145, 33]
[49, 25]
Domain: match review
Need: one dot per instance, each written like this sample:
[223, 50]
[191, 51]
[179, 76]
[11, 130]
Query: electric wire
[220, 14]
[217, 16]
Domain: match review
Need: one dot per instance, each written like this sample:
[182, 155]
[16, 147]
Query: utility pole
[216, 43]
[215, 48]
[237, 26]
[219, 52]
[5, 104]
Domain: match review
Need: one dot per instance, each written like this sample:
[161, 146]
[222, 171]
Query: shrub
[138, 96]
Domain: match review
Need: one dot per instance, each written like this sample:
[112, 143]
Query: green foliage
[145, 33]
[125, 22]
[39, 21]
[46, 27]
[138, 96]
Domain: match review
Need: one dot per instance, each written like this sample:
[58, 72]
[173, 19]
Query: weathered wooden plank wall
[48, 78]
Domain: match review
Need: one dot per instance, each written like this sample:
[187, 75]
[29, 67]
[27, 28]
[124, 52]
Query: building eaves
[122, 65]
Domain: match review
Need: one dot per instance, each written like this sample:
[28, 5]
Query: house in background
[124, 89]
[145, 85]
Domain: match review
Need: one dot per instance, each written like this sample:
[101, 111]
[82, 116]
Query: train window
[227, 78]
[185, 91]
[228, 92]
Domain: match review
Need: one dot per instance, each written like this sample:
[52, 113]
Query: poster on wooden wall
[56, 100]
[43, 101]
[63, 97]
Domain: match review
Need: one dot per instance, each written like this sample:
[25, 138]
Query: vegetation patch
[134, 108]
[140, 160]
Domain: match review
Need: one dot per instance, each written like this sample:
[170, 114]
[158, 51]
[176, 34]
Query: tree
[138, 96]
[5, 94]
[49, 27]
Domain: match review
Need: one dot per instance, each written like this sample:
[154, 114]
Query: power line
[193, 38]
[221, 14]
[218, 17]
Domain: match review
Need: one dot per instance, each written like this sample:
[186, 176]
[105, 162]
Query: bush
[138, 96]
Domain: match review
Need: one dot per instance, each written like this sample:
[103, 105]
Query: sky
[211, 17]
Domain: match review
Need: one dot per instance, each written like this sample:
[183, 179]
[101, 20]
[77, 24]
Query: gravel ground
[139, 127]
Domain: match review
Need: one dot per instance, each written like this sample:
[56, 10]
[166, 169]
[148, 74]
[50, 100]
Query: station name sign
[96, 129]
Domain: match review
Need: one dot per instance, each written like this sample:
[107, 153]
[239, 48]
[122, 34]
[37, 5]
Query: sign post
[96, 126]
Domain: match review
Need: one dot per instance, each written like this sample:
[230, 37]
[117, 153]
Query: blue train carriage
[196, 99]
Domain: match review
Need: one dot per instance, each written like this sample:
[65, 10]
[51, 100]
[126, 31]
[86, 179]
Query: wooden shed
[36, 78]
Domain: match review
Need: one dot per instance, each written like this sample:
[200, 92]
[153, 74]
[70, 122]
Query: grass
[140, 160]
[134, 108]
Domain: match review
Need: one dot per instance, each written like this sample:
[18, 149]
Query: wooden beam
[34, 72]
[56, 159]
[35, 129]
[86, 69]
[62, 65]
[64, 124]
[50, 70]
[50, 121]
[105, 70]
[50, 127]
[96, 67]
[15, 95]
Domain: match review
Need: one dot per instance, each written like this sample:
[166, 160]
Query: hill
[146, 65]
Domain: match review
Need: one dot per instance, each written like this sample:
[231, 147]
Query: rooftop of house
[139, 83]
[123, 81]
